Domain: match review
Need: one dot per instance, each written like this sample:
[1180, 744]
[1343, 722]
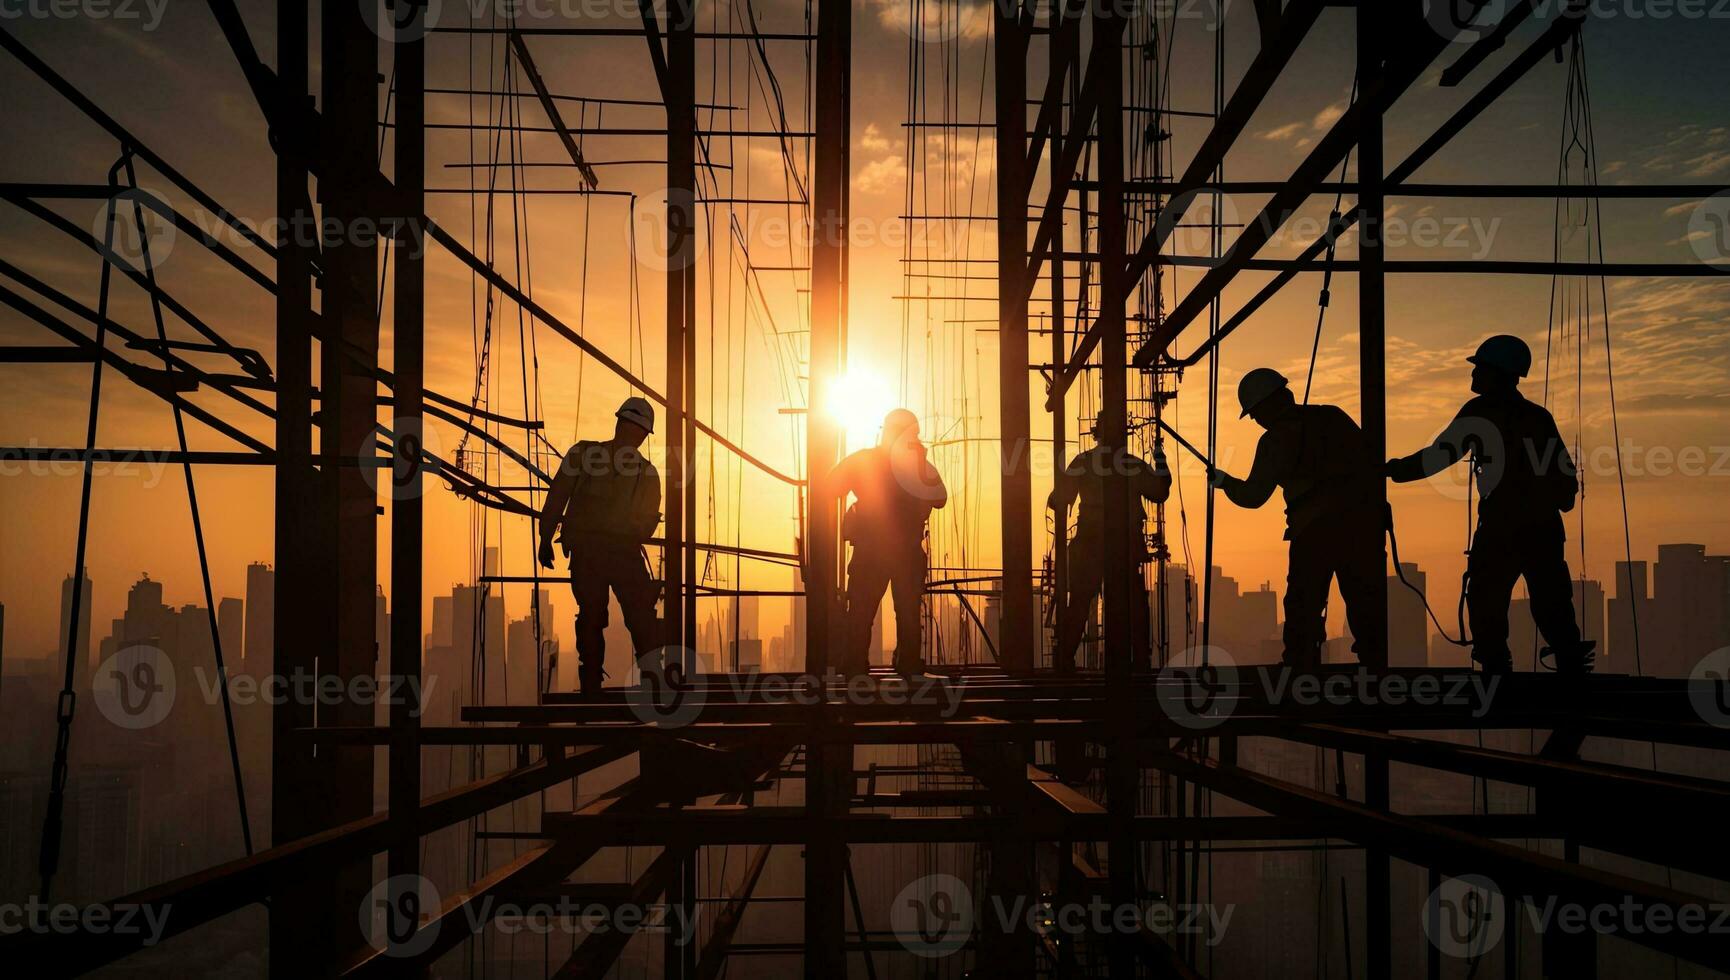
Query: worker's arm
[646, 503]
[1066, 485]
[1449, 447]
[1565, 479]
[1272, 460]
[558, 495]
[834, 486]
[1153, 482]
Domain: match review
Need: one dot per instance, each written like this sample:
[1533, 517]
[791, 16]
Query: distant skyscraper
[231, 627]
[1181, 612]
[1630, 609]
[1408, 623]
[81, 647]
[259, 653]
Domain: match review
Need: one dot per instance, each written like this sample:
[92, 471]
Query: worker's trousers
[1353, 553]
[1504, 550]
[874, 568]
[1086, 582]
[600, 565]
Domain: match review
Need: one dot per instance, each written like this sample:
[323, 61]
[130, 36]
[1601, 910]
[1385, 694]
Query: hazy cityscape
[153, 804]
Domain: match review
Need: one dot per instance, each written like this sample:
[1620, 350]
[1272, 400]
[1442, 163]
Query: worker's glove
[1217, 478]
[546, 554]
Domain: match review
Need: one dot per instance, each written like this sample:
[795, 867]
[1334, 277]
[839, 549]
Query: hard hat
[1105, 417]
[1256, 386]
[1505, 353]
[639, 412]
[896, 422]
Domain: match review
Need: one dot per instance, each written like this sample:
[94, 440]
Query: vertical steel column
[348, 383]
[1372, 43]
[1015, 631]
[682, 256]
[406, 516]
[1123, 776]
[292, 780]
[828, 318]
[828, 768]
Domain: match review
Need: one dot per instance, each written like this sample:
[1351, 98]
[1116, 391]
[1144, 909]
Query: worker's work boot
[1493, 661]
[1574, 661]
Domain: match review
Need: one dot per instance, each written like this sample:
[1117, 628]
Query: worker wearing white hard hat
[604, 504]
[1526, 482]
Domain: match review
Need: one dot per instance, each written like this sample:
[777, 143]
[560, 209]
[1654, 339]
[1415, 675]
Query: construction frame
[1183, 733]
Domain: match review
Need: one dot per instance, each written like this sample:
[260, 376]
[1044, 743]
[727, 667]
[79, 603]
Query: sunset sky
[1659, 96]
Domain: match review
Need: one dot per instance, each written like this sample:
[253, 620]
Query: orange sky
[178, 89]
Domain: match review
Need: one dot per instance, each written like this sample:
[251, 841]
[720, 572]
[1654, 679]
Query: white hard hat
[639, 412]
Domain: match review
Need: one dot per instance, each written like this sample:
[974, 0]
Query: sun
[857, 401]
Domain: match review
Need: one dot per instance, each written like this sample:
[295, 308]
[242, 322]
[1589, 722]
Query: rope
[48, 856]
[197, 521]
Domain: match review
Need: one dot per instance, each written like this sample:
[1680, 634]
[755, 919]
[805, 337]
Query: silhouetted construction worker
[606, 501]
[1526, 481]
[1087, 478]
[896, 489]
[1317, 455]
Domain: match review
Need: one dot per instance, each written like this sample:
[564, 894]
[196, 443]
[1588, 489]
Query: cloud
[1327, 117]
[873, 140]
[887, 173]
[1282, 133]
[939, 20]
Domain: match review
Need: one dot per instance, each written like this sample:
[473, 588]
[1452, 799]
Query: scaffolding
[1168, 785]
